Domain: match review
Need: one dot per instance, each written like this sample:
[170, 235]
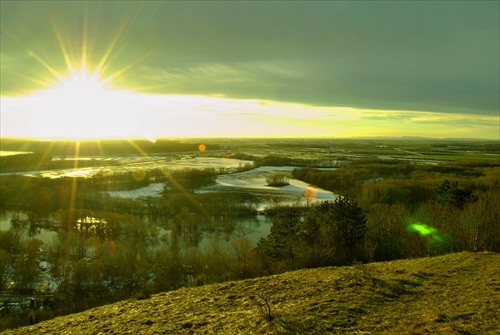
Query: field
[229, 155]
[453, 294]
[419, 149]
[87, 224]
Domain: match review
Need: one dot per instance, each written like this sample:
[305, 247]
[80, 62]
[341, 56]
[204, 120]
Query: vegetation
[192, 179]
[102, 148]
[452, 294]
[278, 180]
[105, 248]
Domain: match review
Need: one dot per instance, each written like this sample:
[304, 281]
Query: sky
[250, 69]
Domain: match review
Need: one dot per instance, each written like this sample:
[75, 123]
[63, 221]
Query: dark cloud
[434, 56]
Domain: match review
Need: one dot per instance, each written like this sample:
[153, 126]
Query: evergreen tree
[350, 220]
[338, 227]
[278, 250]
[449, 193]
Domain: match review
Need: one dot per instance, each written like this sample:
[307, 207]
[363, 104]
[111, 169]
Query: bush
[278, 180]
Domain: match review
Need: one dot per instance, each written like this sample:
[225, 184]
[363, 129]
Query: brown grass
[453, 294]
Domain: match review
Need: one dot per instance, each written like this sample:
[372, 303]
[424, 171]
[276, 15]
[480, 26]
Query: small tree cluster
[450, 194]
[278, 180]
[330, 234]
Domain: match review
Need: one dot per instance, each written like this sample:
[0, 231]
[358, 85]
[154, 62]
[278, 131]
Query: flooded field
[44, 235]
[254, 181]
[252, 228]
[130, 163]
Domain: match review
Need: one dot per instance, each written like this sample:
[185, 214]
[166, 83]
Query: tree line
[102, 148]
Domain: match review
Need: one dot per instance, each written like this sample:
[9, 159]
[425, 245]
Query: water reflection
[45, 235]
[253, 228]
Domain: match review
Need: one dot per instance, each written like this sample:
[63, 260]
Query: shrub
[278, 180]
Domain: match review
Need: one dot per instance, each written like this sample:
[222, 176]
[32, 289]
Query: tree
[4, 268]
[26, 268]
[245, 264]
[350, 221]
[278, 179]
[217, 261]
[343, 220]
[386, 231]
[191, 179]
[450, 194]
[317, 247]
[278, 250]
[188, 225]
[10, 240]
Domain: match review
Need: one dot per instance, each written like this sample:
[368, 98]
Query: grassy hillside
[453, 294]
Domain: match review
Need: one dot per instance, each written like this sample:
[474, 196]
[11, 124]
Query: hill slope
[452, 294]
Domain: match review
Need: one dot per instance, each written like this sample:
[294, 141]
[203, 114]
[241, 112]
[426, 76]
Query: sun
[76, 100]
[81, 105]
[78, 87]
[80, 93]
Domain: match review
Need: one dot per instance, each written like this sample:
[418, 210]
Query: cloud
[417, 56]
[409, 56]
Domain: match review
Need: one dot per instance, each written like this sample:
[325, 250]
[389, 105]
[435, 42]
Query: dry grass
[453, 294]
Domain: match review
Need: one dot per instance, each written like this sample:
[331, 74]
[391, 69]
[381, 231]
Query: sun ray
[146, 89]
[112, 45]
[72, 198]
[44, 156]
[34, 80]
[83, 64]
[189, 195]
[46, 65]
[37, 57]
[64, 52]
[100, 148]
[173, 181]
[76, 98]
[138, 148]
[119, 72]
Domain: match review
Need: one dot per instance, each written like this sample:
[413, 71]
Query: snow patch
[153, 190]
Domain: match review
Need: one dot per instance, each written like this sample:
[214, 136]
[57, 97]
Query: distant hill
[419, 138]
[453, 294]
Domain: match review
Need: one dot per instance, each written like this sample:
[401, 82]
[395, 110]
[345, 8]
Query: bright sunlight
[80, 106]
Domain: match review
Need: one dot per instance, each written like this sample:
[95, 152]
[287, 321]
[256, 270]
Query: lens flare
[422, 229]
[311, 192]
[439, 243]
[139, 174]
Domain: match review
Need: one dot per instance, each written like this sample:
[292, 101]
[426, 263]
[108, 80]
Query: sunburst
[77, 101]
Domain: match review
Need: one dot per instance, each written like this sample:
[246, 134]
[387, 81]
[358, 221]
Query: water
[45, 235]
[5, 217]
[121, 164]
[252, 228]
[12, 153]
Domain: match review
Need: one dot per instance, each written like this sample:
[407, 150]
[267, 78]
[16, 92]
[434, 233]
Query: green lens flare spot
[422, 229]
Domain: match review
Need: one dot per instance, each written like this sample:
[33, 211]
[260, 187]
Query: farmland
[84, 224]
